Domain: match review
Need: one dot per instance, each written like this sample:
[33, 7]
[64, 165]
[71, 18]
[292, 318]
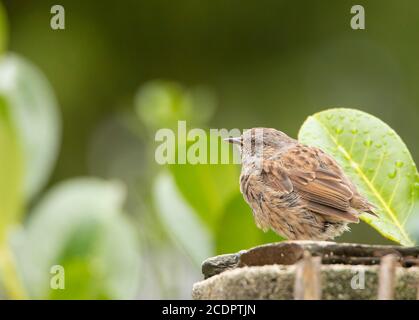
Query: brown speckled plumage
[298, 191]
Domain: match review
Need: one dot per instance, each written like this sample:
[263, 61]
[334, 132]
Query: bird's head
[258, 141]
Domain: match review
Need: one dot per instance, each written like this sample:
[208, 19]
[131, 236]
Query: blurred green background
[92, 96]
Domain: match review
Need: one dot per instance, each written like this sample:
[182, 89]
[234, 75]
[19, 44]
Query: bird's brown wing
[275, 177]
[319, 181]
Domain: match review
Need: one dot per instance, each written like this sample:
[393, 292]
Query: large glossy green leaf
[10, 171]
[80, 225]
[33, 108]
[376, 159]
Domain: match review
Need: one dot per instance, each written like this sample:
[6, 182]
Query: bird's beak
[235, 140]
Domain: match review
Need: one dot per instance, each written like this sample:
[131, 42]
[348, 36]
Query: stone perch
[312, 270]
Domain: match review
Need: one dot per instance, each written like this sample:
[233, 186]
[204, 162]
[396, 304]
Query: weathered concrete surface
[277, 282]
[267, 272]
[289, 252]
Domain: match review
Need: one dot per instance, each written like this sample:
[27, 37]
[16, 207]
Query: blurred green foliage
[10, 171]
[160, 104]
[78, 225]
[206, 187]
[181, 221]
[132, 67]
[34, 109]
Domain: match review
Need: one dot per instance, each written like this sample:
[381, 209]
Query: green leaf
[163, 103]
[207, 187]
[180, 220]
[33, 108]
[237, 229]
[80, 225]
[376, 159]
[10, 172]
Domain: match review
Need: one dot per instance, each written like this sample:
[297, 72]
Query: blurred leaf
[10, 171]
[203, 102]
[3, 29]
[33, 108]
[79, 225]
[376, 159]
[207, 187]
[180, 220]
[163, 103]
[237, 230]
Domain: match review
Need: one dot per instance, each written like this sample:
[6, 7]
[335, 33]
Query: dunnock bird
[298, 191]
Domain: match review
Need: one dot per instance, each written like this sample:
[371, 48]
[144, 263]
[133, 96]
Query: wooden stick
[307, 285]
[387, 277]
